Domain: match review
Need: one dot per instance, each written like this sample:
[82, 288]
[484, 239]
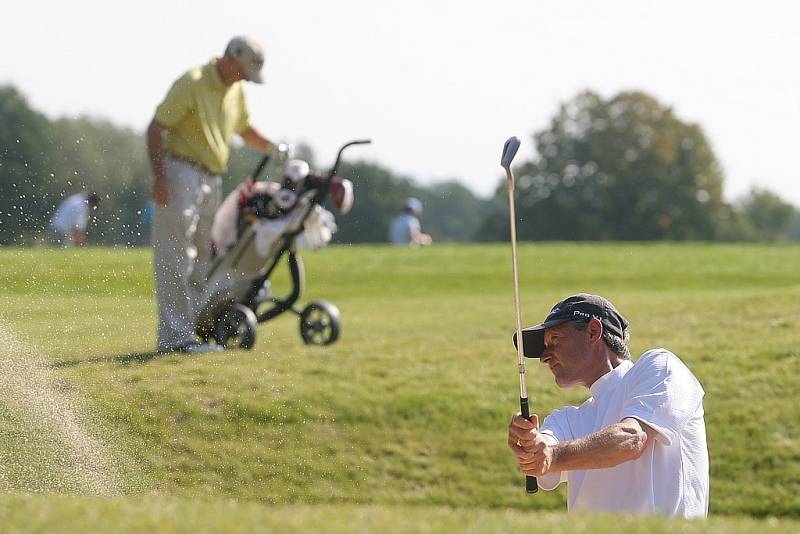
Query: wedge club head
[509, 151]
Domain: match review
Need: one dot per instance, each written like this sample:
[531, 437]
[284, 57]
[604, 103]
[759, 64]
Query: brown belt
[189, 161]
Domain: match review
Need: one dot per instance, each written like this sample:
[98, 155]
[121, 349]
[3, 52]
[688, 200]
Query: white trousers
[181, 249]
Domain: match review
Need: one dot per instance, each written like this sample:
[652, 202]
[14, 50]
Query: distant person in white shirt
[71, 218]
[405, 228]
[638, 444]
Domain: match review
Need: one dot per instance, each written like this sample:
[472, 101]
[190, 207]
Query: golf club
[509, 151]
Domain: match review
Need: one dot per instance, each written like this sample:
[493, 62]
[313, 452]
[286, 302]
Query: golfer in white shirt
[638, 444]
[71, 218]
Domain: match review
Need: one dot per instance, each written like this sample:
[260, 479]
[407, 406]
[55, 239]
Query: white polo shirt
[402, 228]
[72, 214]
[671, 476]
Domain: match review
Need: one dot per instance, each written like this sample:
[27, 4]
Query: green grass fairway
[160, 514]
[402, 421]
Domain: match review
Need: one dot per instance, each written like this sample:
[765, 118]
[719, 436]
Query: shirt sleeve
[177, 104]
[243, 123]
[662, 393]
[556, 426]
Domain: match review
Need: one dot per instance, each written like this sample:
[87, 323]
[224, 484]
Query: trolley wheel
[204, 335]
[319, 323]
[236, 326]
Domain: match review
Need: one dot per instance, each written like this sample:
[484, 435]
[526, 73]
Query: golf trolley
[238, 294]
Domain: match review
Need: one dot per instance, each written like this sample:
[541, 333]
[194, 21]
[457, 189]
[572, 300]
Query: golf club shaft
[531, 485]
[261, 165]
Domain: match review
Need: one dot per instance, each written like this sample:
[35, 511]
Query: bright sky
[437, 84]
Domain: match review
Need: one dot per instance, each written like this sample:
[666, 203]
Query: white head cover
[415, 205]
[296, 170]
[342, 194]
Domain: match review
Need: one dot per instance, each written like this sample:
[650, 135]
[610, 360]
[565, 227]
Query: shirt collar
[213, 74]
[609, 380]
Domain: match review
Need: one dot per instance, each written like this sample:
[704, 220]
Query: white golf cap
[414, 204]
[249, 54]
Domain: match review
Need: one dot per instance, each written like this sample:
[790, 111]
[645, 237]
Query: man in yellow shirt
[189, 142]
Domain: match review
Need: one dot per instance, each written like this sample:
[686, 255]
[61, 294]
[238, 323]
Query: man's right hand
[160, 181]
[161, 191]
[533, 453]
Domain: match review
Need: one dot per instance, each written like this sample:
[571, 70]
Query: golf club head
[509, 151]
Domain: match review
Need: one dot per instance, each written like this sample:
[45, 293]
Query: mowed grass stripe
[33, 513]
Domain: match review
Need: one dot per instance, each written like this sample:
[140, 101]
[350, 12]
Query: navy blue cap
[580, 307]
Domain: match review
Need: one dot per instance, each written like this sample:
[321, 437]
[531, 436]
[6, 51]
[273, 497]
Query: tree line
[626, 168]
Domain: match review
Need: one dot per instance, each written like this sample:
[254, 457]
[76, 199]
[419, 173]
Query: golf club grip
[531, 485]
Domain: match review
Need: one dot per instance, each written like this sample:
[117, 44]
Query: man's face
[230, 70]
[238, 71]
[567, 353]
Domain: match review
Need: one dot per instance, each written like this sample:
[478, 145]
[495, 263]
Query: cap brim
[533, 338]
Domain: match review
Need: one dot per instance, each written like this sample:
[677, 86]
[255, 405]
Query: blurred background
[639, 120]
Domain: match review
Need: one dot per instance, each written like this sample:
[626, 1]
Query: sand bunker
[74, 459]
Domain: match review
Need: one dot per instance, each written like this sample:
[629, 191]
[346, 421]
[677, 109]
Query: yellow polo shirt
[201, 114]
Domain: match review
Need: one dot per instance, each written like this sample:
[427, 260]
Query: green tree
[24, 150]
[43, 161]
[451, 211]
[625, 168]
[794, 227]
[95, 155]
[770, 216]
[379, 195]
